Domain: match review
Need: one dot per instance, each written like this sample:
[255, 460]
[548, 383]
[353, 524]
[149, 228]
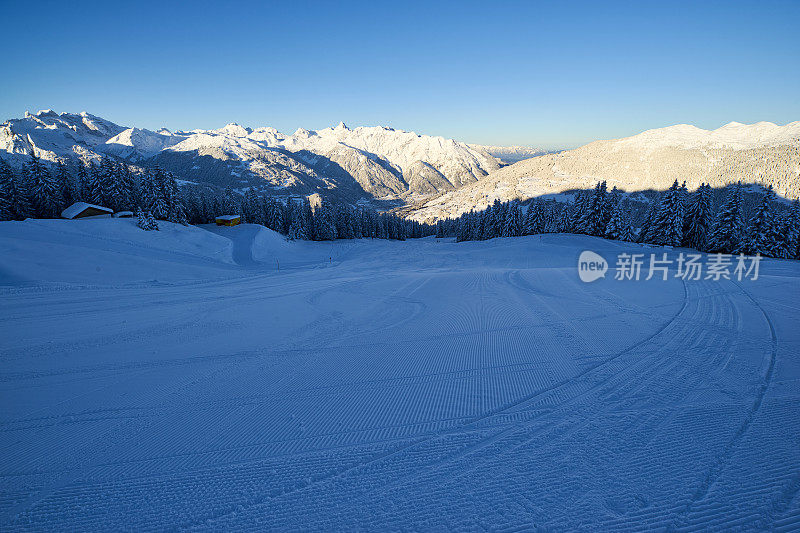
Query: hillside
[762, 153]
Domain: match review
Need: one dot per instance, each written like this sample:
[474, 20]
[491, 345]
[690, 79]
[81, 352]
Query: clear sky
[551, 74]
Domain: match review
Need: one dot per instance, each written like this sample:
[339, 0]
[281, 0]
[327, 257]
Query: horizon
[253, 127]
[515, 75]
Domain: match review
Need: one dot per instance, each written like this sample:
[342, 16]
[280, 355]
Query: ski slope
[376, 385]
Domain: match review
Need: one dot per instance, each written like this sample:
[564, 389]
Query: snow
[734, 135]
[78, 207]
[380, 385]
[103, 251]
[144, 143]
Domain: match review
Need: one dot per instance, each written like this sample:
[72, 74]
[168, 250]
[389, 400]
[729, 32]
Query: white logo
[591, 266]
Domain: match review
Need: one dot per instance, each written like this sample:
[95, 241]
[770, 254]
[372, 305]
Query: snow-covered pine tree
[533, 218]
[779, 242]
[297, 223]
[308, 220]
[7, 192]
[65, 184]
[619, 225]
[83, 186]
[464, 230]
[648, 219]
[565, 216]
[612, 200]
[171, 192]
[109, 191]
[578, 212]
[667, 228]
[47, 200]
[14, 196]
[131, 194]
[698, 218]
[358, 230]
[728, 226]
[325, 223]
[250, 208]
[593, 211]
[152, 223]
[141, 219]
[230, 202]
[761, 231]
[512, 227]
[94, 191]
[290, 213]
[793, 235]
[276, 216]
[551, 214]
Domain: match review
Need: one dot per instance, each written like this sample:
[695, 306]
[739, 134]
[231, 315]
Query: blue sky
[546, 74]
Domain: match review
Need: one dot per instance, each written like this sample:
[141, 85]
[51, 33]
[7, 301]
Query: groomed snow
[378, 385]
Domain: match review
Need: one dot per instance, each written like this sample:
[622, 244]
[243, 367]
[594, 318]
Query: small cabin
[228, 220]
[83, 210]
[123, 214]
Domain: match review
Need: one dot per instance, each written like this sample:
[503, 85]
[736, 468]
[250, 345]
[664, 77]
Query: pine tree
[619, 225]
[667, 227]
[593, 212]
[793, 235]
[325, 224]
[130, 190]
[761, 235]
[533, 218]
[649, 218]
[65, 185]
[83, 185]
[578, 212]
[698, 218]
[728, 227]
[512, 227]
[152, 223]
[94, 193]
[44, 188]
[275, 221]
[141, 219]
[8, 193]
[107, 176]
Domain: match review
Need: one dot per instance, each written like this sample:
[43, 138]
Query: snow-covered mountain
[763, 153]
[508, 155]
[376, 162]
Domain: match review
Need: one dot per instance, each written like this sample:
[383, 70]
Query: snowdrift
[109, 251]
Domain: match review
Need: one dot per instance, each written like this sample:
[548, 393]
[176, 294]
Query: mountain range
[427, 178]
[352, 164]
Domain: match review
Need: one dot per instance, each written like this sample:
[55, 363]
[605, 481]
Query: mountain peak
[236, 130]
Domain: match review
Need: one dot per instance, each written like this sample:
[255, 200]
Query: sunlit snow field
[227, 379]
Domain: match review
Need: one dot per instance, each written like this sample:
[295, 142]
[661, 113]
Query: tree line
[36, 191]
[675, 217]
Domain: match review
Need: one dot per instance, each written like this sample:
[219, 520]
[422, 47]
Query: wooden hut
[83, 210]
[228, 220]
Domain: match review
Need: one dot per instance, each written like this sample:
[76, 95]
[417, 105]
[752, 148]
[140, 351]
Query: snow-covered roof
[228, 217]
[79, 207]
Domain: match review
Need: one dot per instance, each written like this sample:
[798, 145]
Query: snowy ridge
[512, 154]
[135, 143]
[733, 136]
[762, 153]
[375, 161]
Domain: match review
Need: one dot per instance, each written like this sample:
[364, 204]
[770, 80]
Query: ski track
[422, 385]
